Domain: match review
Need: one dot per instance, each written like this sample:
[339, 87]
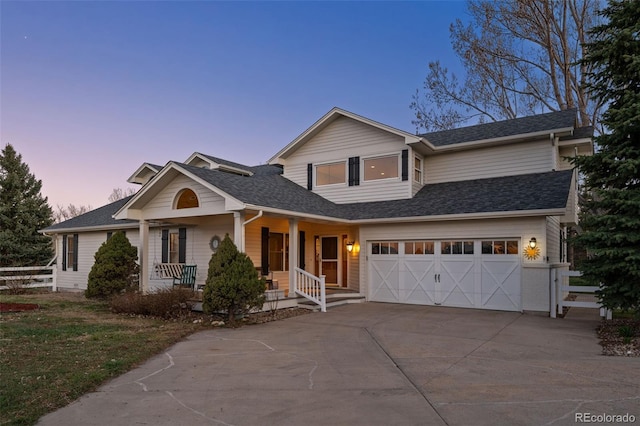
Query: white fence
[28, 277]
[558, 289]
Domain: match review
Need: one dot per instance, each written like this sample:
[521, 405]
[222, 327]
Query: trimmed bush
[233, 286]
[115, 269]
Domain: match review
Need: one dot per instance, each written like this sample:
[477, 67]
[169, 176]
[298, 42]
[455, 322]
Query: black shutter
[165, 246]
[309, 176]
[182, 245]
[64, 252]
[302, 251]
[351, 183]
[264, 252]
[109, 235]
[405, 164]
[354, 171]
[75, 252]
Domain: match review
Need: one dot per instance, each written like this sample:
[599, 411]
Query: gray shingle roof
[268, 188]
[101, 216]
[536, 191]
[516, 126]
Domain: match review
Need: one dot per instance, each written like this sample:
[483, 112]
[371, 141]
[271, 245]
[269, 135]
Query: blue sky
[91, 90]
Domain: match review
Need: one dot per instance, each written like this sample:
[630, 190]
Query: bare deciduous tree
[62, 213]
[119, 194]
[520, 58]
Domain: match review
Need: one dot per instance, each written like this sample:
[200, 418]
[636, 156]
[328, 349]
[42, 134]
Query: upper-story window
[417, 169]
[381, 167]
[187, 199]
[330, 174]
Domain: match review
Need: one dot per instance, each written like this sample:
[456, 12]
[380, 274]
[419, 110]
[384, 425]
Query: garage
[480, 274]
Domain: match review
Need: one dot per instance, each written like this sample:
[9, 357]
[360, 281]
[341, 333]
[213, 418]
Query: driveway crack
[405, 375]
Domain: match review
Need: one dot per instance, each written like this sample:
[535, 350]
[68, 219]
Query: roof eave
[501, 140]
[466, 216]
[89, 228]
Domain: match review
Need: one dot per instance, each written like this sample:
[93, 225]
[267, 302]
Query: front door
[329, 259]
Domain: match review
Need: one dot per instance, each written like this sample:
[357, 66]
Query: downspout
[554, 151]
[245, 223]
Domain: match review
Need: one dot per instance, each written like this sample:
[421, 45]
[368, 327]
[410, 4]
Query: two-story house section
[471, 217]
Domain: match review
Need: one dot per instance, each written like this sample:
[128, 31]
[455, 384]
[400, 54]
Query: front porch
[304, 260]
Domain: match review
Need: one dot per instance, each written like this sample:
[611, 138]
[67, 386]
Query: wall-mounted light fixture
[532, 251]
[350, 246]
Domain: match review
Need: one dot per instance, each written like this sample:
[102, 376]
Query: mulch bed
[613, 344]
[18, 307]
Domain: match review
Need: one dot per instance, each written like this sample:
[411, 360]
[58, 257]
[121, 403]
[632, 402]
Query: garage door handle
[436, 278]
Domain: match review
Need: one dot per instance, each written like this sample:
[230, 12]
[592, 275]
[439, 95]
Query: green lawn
[51, 356]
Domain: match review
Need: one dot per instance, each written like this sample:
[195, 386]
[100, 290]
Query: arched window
[186, 199]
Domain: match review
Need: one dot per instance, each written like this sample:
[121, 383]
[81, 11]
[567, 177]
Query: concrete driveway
[374, 364]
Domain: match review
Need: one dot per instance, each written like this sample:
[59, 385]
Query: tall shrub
[115, 269]
[232, 285]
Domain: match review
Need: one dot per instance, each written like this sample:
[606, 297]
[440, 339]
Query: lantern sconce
[350, 246]
[532, 251]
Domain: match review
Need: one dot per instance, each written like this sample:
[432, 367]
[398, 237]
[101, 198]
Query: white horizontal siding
[161, 206]
[199, 233]
[505, 160]
[553, 239]
[340, 140]
[88, 245]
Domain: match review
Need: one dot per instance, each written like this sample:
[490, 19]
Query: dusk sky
[91, 90]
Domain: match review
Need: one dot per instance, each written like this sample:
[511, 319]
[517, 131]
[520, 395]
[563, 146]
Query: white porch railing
[28, 277]
[311, 287]
[167, 270]
[558, 289]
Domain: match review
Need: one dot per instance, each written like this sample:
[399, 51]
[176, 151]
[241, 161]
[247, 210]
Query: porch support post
[293, 254]
[143, 256]
[238, 230]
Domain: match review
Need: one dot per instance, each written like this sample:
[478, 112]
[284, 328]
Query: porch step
[332, 301]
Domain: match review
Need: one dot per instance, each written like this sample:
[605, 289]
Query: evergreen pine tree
[23, 211]
[115, 269]
[232, 284]
[610, 216]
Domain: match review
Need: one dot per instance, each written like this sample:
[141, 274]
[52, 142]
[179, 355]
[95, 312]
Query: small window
[71, 253]
[418, 247]
[417, 169]
[456, 247]
[384, 248]
[174, 250]
[187, 199]
[330, 174]
[381, 168]
[500, 247]
[278, 251]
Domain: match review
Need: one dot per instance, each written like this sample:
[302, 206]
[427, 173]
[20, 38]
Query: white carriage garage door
[481, 274]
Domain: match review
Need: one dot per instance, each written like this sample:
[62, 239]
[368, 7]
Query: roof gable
[144, 173]
[202, 160]
[327, 119]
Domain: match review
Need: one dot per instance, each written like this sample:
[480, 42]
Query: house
[446, 218]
